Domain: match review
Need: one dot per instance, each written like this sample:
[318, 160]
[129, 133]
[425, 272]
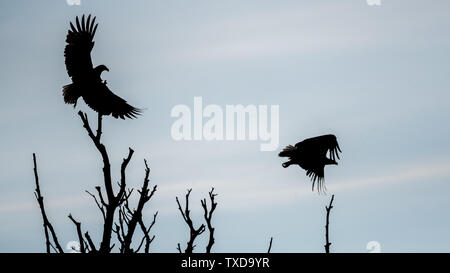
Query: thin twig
[270, 245]
[47, 225]
[99, 204]
[328, 244]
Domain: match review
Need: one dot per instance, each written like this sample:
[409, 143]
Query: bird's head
[99, 69]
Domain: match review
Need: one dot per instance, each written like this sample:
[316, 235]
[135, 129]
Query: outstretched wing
[317, 176]
[78, 49]
[105, 102]
[320, 146]
[120, 108]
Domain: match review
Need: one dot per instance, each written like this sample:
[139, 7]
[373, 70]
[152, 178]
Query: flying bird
[311, 155]
[86, 80]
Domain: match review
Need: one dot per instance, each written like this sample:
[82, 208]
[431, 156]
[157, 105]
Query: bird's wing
[317, 176]
[105, 102]
[78, 49]
[321, 145]
[120, 108]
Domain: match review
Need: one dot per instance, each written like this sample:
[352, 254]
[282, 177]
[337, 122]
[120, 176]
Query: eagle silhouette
[311, 155]
[86, 80]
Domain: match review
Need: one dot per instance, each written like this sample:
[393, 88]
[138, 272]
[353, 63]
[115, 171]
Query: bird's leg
[99, 128]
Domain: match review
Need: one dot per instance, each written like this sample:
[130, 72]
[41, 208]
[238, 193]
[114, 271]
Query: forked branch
[208, 215]
[194, 233]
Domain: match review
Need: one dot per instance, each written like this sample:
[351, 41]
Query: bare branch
[146, 231]
[90, 242]
[125, 197]
[208, 216]
[47, 225]
[113, 200]
[99, 205]
[111, 205]
[327, 244]
[136, 215]
[99, 191]
[99, 128]
[122, 176]
[187, 218]
[80, 235]
[270, 245]
[117, 231]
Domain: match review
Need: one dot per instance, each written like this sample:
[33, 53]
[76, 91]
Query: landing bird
[86, 80]
[311, 155]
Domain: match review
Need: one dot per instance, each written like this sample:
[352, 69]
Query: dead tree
[129, 218]
[327, 239]
[195, 232]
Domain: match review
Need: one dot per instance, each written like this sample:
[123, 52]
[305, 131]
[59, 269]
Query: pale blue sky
[377, 77]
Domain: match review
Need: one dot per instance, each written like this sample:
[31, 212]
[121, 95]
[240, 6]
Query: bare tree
[195, 232]
[129, 218]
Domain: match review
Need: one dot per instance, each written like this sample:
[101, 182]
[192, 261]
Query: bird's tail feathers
[287, 152]
[71, 94]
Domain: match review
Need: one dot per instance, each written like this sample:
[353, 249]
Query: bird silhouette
[311, 155]
[86, 80]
